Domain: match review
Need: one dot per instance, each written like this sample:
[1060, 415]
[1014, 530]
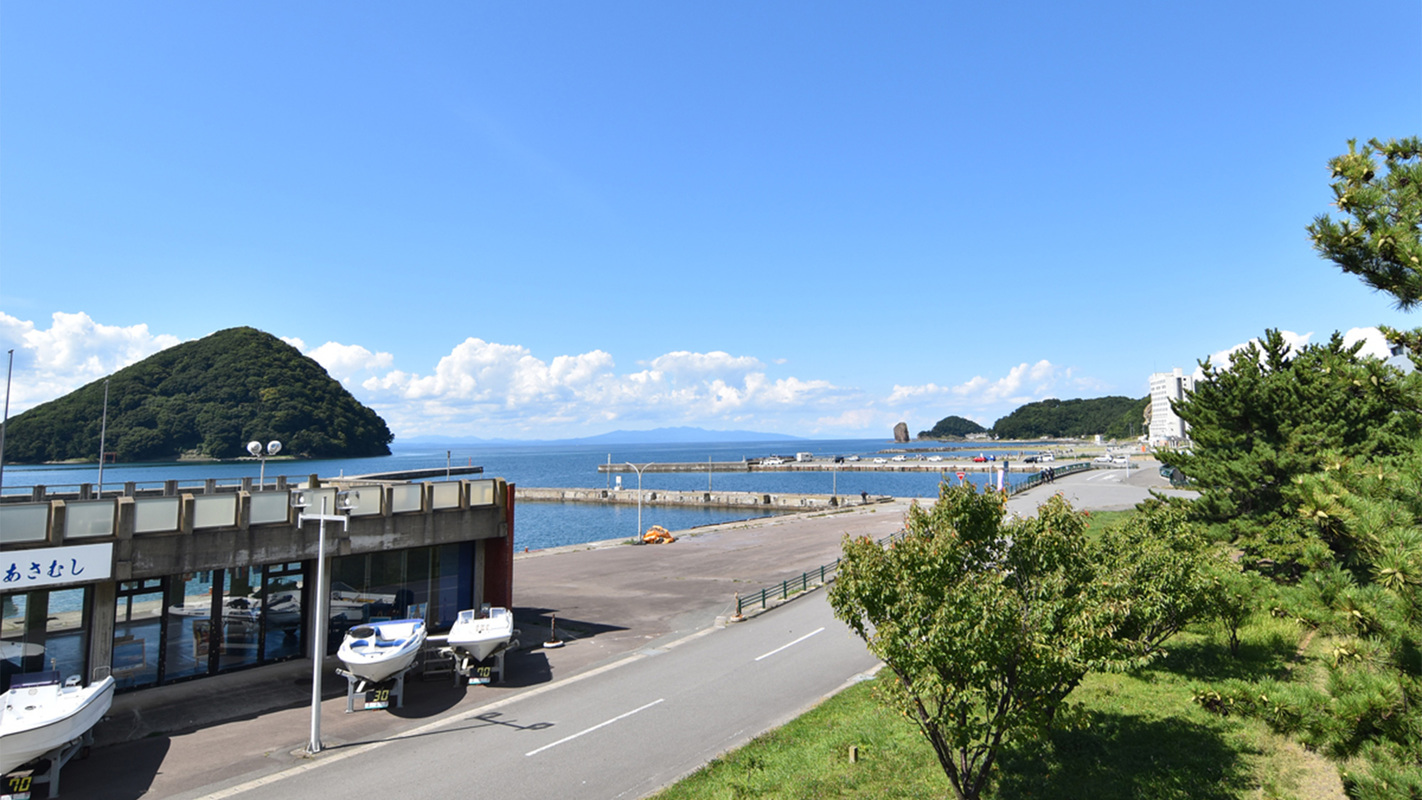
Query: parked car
[1032, 459]
[881, 461]
[1121, 460]
[898, 458]
[980, 458]
[1103, 459]
[1046, 457]
[771, 462]
[935, 458]
[851, 458]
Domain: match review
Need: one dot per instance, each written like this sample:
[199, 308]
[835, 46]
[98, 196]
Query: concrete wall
[694, 498]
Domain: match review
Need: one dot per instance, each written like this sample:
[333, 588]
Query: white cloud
[1374, 344]
[487, 388]
[344, 362]
[984, 400]
[1023, 383]
[72, 352]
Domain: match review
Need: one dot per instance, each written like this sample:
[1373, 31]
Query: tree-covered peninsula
[1113, 417]
[206, 398]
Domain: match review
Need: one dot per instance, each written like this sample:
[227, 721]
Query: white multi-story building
[1165, 425]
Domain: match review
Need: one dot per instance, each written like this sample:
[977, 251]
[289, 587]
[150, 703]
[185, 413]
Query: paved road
[621, 731]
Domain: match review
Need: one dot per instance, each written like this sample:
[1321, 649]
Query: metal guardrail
[1033, 481]
[791, 586]
[825, 573]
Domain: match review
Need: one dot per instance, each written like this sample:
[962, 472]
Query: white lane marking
[332, 756]
[792, 644]
[593, 728]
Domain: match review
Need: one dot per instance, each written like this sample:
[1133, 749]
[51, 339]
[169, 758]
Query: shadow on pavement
[121, 772]
[537, 626]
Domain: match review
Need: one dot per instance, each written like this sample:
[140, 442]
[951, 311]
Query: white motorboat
[477, 636]
[41, 714]
[232, 607]
[377, 651]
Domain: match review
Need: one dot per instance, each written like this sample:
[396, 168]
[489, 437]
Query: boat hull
[377, 651]
[478, 638]
[34, 723]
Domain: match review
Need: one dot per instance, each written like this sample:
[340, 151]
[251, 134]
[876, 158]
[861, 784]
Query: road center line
[593, 728]
[792, 644]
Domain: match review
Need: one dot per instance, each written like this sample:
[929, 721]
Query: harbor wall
[696, 498]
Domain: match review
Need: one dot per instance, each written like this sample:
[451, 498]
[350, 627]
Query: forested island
[204, 399]
[1114, 417]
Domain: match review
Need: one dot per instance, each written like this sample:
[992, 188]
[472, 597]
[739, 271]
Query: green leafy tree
[1275, 415]
[1368, 711]
[989, 624]
[1381, 239]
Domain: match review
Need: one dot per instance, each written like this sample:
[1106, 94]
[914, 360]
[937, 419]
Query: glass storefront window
[237, 634]
[138, 633]
[188, 631]
[45, 629]
[281, 612]
[429, 583]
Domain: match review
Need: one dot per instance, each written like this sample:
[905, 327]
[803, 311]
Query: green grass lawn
[1136, 735]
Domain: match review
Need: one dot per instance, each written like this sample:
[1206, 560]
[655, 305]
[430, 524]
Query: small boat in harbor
[377, 651]
[478, 635]
[41, 714]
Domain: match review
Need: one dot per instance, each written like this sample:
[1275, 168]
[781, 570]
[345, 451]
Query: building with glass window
[180, 583]
[1166, 427]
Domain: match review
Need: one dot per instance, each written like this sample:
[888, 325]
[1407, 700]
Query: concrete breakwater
[783, 500]
[755, 465]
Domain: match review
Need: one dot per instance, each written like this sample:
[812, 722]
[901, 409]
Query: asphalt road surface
[621, 731]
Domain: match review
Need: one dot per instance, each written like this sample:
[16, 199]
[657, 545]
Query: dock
[660, 497]
[414, 474]
[754, 465]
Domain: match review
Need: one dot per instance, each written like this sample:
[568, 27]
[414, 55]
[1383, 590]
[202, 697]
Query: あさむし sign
[21, 570]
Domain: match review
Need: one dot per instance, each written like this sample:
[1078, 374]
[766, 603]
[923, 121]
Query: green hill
[204, 398]
[1114, 417]
[952, 427]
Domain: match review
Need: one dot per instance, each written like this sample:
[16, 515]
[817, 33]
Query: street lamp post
[103, 434]
[10, 370]
[255, 448]
[321, 616]
[638, 470]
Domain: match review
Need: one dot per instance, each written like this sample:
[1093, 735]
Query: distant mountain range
[653, 436]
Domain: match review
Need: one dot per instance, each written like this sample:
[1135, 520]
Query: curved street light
[255, 448]
[638, 538]
[321, 616]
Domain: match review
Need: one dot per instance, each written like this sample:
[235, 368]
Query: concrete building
[1166, 427]
[174, 584]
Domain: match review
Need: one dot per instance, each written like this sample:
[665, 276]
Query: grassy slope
[1137, 735]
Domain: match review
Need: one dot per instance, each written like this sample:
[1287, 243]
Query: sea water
[542, 525]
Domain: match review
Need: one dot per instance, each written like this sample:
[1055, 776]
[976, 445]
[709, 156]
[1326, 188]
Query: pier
[755, 465]
[659, 497]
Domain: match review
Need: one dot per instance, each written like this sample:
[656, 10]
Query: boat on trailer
[479, 635]
[41, 714]
[377, 651]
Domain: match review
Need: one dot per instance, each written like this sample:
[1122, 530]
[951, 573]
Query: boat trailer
[479, 673]
[377, 694]
[19, 784]
[467, 671]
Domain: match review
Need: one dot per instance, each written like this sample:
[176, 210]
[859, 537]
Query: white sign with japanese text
[21, 570]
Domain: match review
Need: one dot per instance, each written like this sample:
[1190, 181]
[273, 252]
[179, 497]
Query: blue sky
[558, 219]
